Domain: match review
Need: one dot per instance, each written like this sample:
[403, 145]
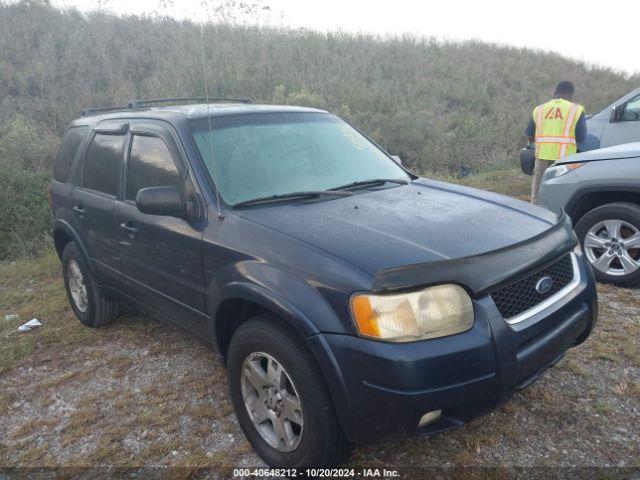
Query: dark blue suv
[349, 299]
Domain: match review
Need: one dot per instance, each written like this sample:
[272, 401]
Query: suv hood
[421, 222]
[626, 150]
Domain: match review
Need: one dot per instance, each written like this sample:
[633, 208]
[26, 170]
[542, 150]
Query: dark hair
[565, 87]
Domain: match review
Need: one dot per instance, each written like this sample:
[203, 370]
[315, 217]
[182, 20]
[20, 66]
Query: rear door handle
[131, 230]
[79, 210]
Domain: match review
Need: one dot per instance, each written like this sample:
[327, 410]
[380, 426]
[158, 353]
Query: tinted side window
[150, 165]
[102, 164]
[67, 152]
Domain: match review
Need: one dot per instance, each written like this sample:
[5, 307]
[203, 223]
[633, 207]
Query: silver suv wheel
[613, 247]
[272, 402]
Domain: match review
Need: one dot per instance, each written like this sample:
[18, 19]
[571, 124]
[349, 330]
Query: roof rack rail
[92, 110]
[144, 103]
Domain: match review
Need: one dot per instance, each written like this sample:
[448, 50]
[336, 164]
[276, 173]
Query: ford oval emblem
[544, 285]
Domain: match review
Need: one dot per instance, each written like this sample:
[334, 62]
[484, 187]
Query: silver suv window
[632, 110]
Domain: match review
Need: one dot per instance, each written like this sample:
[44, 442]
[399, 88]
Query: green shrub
[26, 146]
[24, 213]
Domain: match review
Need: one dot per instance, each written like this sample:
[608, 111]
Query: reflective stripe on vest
[555, 129]
[567, 129]
[562, 140]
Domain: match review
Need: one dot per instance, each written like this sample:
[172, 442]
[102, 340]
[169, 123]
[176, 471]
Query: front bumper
[381, 390]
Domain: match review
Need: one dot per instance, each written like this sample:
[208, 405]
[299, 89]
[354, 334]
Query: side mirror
[162, 201]
[397, 159]
[616, 113]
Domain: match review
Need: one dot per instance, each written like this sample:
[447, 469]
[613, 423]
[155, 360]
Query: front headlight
[558, 171]
[405, 317]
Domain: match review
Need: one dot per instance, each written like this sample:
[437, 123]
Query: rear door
[624, 126]
[62, 186]
[94, 198]
[161, 255]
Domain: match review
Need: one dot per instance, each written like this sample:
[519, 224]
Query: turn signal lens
[429, 313]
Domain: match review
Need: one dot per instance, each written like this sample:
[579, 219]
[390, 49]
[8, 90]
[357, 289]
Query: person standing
[556, 127]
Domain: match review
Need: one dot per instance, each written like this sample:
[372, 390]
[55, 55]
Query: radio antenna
[206, 94]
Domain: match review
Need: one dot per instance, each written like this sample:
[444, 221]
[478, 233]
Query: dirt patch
[139, 393]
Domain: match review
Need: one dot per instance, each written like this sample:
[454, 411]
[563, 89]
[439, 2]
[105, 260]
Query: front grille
[521, 295]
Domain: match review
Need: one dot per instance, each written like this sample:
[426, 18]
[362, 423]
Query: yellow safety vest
[556, 128]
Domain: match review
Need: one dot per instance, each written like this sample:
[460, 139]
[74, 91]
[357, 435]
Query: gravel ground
[139, 393]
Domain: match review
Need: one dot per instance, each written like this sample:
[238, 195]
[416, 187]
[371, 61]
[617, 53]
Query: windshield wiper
[366, 183]
[286, 196]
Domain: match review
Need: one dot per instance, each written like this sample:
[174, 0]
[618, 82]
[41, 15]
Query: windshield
[260, 155]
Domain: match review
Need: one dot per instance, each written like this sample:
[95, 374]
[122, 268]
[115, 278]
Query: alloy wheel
[272, 401]
[613, 247]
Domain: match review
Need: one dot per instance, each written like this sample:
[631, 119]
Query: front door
[161, 256]
[625, 127]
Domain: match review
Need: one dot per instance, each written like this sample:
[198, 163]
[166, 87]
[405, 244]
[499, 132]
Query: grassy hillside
[449, 108]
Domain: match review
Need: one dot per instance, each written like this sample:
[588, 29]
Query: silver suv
[616, 124]
[600, 190]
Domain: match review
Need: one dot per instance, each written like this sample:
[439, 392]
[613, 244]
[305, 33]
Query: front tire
[89, 304]
[280, 397]
[610, 238]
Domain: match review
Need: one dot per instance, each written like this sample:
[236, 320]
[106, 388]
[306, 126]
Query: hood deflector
[479, 273]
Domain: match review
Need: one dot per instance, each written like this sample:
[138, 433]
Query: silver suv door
[624, 125]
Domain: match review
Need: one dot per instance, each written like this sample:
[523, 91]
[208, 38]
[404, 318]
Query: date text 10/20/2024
[315, 473]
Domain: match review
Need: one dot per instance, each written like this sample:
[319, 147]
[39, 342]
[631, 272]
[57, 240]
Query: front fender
[271, 301]
[298, 301]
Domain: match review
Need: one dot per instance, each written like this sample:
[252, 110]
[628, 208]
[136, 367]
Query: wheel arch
[60, 240]
[586, 199]
[240, 301]
[63, 233]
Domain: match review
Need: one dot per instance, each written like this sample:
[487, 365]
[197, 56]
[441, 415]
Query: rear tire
[89, 304]
[314, 438]
[605, 234]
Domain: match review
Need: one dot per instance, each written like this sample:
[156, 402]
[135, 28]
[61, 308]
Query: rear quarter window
[102, 163]
[67, 152]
